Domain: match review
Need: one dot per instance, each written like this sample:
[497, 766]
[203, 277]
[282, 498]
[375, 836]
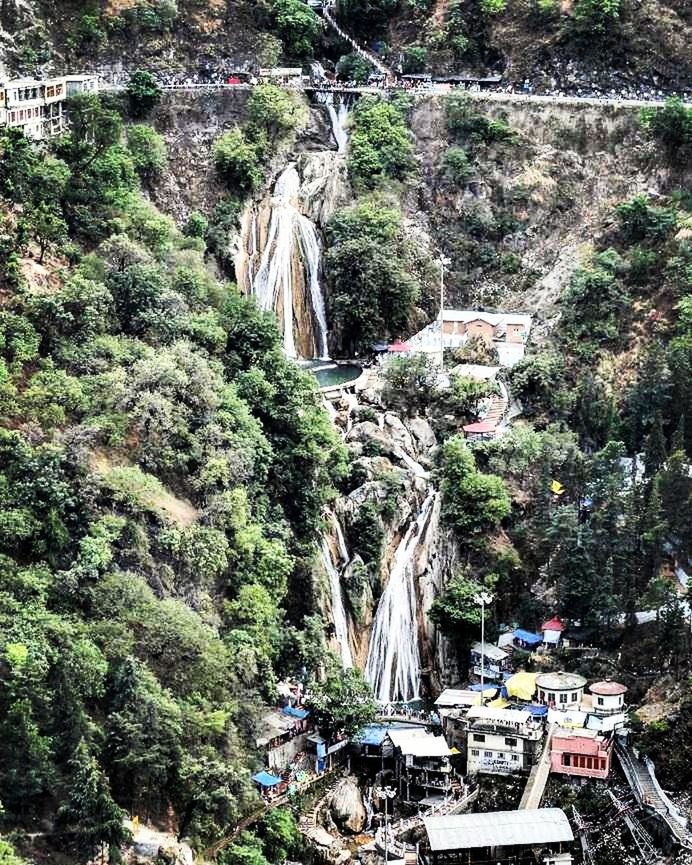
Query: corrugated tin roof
[498, 828]
[490, 651]
[452, 697]
[503, 716]
[419, 743]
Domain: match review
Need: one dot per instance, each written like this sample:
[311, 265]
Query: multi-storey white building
[502, 741]
[37, 107]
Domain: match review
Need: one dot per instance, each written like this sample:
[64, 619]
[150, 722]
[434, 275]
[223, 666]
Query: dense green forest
[162, 477]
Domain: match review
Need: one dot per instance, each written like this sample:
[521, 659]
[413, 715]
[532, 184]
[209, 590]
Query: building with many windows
[502, 741]
[562, 691]
[37, 107]
[581, 753]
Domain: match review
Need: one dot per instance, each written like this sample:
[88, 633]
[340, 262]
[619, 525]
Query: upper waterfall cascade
[393, 666]
[292, 238]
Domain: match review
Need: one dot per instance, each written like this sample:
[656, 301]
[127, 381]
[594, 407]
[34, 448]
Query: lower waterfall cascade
[393, 666]
[334, 573]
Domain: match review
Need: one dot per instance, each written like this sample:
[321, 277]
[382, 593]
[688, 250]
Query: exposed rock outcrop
[346, 806]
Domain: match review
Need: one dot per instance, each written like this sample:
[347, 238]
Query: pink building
[581, 753]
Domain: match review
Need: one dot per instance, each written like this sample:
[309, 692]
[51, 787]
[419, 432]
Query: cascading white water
[338, 609]
[290, 232]
[393, 667]
[338, 114]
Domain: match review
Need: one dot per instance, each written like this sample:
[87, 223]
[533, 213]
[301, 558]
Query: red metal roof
[554, 624]
[399, 346]
[480, 427]
[607, 689]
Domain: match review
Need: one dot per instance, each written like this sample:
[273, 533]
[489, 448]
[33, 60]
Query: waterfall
[338, 114]
[338, 609]
[292, 239]
[393, 667]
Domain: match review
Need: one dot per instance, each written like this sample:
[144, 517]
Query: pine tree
[90, 811]
[655, 447]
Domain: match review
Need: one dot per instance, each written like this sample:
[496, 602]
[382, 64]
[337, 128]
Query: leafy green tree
[366, 16]
[456, 610]
[671, 126]
[473, 503]
[144, 737]
[143, 93]
[90, 810]
[274, 112]
[196, 225]
[456, 167]
[148, 150]
[595, 306]
[380, 146]
[353, 67]
[237, 161]
[281, 839]
[297, 24]
[47, 227]
[8, 855]
[640, 221]
[597, 16]
[374, 272]
[343, 703]
[409, 383]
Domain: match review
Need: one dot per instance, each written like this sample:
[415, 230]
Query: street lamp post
[444, 262]
[385, 793]
[483, 598]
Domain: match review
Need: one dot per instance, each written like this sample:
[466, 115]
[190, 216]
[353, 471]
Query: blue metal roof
[528, 637]
[485, 687]
[295, 713]
[265, 779]
[373, 734]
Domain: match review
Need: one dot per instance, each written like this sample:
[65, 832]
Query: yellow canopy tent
[522, 685]
[499, 703]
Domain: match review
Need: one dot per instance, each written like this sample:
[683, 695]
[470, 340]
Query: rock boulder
[346, 806]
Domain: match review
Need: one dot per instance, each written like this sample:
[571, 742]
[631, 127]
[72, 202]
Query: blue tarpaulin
[374, 734]
[483, 688]
[527, 637]
[535, 709]
[264, 779]
[301, 714]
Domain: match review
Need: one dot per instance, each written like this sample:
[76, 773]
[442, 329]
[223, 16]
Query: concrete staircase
[498, 407]
[357, 47]
[538, 778]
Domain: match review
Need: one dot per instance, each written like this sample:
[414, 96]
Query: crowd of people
[569, 87]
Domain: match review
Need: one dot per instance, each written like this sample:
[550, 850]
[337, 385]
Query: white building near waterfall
[506, 332]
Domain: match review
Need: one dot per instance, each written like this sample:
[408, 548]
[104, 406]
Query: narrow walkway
[538, 778]
[641, 777]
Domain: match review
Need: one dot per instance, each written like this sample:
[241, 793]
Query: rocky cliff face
[523, 220]
[396, 499]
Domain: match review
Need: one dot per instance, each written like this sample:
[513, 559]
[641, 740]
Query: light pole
[385, 793]
[444, 262]
[483, 598]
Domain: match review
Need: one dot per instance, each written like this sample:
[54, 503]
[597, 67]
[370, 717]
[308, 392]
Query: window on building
[542, 695]
[600, 701]
[563, 698]
[487, 753]
[475, 752]
[589, 763]
[510, 741]
[50, 91]
[566, 760]
[575, 696]
[515, 757]
[58, 89]
[478, 737]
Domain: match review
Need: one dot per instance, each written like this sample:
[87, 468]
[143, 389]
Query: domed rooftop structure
[560, 681]
[607, 688]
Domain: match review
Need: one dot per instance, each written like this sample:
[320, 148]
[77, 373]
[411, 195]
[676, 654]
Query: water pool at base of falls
[332, 374]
